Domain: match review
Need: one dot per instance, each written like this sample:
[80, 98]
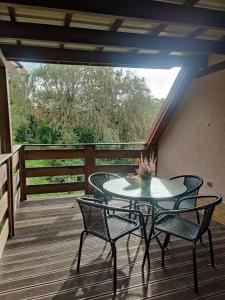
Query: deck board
[39, 262]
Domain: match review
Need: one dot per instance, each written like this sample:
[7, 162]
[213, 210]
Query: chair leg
[113, 247]
[166, 241]
[195, 268]
[198, 221]
[80, 249]
[211, 247]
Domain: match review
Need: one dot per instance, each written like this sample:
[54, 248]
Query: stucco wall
[194, 141]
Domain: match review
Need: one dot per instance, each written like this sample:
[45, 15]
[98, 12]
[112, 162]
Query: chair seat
[178, 226]
[115, 202]
[119, 226]
[168, 205]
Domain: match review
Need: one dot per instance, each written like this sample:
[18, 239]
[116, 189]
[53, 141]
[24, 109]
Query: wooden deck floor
[38, 263]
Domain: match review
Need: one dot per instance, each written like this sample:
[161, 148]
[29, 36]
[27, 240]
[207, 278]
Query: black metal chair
[172, 223]
[97, 180]
[193, 184]
[109, 227]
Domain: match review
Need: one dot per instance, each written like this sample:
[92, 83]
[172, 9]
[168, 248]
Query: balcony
[39, 261]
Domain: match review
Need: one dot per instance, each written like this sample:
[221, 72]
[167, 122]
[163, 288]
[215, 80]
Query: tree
[114, 105]
[19, 103]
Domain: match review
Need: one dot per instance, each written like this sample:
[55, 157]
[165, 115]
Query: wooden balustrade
[9, 193]
[89, 153]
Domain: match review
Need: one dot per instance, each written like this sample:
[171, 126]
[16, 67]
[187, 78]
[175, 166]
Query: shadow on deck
[39, 262]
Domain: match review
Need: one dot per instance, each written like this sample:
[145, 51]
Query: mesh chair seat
[168, 205]
[118, 203]
[178, 226]
[119, 226]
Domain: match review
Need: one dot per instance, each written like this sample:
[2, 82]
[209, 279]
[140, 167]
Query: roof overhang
[131, 33]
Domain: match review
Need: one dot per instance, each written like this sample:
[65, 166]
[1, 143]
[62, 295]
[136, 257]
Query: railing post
[10, 197]
[89, 155]
[23, 186]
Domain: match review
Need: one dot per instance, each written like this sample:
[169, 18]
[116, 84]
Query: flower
[146, 167]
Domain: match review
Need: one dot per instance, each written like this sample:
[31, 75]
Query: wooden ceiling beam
[106, 38]
[142, 9]
[190, 2]
[114, 27]
[69, 56]
[67, 21]
[12, 16]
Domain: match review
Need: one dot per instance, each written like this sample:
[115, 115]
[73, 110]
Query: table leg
[152, 234]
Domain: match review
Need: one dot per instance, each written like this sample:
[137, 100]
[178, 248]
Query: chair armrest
[92, 199]
[176, 211]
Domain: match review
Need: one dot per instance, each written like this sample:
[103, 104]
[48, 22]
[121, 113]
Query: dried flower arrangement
[146, 167]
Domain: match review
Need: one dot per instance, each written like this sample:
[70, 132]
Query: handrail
[86, 144]
[4, 157]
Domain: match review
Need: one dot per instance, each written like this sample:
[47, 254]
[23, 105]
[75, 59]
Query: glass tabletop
[159, 188]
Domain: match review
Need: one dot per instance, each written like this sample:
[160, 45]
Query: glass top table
[159, 189]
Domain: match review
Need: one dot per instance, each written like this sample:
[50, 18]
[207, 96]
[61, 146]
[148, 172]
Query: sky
[158, 80]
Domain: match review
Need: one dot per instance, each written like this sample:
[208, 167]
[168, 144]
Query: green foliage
[36, 131]
[84, 135]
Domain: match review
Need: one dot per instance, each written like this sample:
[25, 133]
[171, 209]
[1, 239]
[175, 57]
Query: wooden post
[23, 186]
[6, 136]
[89, 165]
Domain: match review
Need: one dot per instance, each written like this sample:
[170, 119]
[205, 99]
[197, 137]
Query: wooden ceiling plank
[142, 9]
[106, 38]
[68, 56]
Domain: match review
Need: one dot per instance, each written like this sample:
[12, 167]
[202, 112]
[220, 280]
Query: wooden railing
[16, 173]
[10, 193]
[90, 154]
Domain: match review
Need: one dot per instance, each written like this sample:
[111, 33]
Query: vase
[146, 181]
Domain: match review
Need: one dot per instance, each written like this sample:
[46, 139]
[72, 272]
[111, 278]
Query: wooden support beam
[143, 9]
[5, 118]
[211, 69]
[68, 56]
[107, 38]
[6, 136]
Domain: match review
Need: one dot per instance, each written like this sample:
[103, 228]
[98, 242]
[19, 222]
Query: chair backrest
[207, 209]
[97, 180]
[192, 183]
[94, 218]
